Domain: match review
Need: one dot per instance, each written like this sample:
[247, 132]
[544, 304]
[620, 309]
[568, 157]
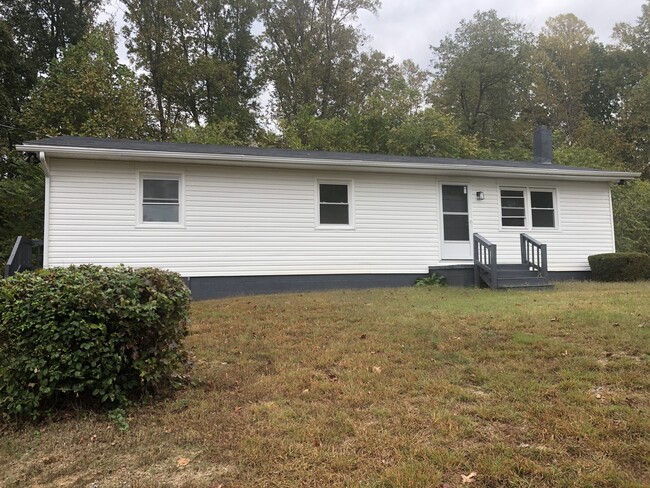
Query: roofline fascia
[323, 164]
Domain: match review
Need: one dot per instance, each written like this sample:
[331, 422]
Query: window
[513, 208]
[160, 199]
[334, 203]
[527, 208]
[541, 208]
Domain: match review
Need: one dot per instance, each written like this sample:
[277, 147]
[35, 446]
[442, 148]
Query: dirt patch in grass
[380, 388]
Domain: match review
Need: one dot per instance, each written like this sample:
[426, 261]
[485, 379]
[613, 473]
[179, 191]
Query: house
[235, 220]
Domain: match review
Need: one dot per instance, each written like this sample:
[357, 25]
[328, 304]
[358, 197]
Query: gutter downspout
[46, 214]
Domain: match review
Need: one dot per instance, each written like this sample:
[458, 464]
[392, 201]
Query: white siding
[246, 221]
[584, 222]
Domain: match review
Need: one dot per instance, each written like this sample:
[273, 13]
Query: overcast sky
[406, 28]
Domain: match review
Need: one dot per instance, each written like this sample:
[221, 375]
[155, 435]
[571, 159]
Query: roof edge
[545, 171]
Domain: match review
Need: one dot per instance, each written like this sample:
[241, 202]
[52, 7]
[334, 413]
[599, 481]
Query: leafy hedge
[620, 266]
[88, 334]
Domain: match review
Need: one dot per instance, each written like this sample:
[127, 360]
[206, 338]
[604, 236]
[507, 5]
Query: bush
[620, 266]
[90, 335]
[433, 280]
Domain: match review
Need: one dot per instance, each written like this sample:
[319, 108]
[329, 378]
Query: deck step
[510, 267]
[524, 282]
[517, 273]
[547, 286]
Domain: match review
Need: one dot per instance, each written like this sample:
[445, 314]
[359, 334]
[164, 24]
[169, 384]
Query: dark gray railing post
[534, 254]
[477, 259]
[485, 261]
[494, 276]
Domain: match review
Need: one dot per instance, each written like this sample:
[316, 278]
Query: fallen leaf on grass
[376, 369]
[470, 478]
[182, 462]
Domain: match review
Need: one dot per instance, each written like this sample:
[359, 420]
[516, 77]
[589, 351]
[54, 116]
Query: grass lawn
[381, 388]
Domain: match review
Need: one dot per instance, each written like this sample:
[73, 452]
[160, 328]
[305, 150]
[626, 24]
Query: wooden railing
[485, 261]
[23, 257]
[533, 254]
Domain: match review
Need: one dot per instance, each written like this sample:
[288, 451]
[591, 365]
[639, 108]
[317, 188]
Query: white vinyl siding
[582, 215]
[251, 221]
[242, 221]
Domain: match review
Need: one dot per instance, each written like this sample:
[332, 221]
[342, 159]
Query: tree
[88, 92]
[22, 201]
[14, 83]
[311, 54]
[43, 30]
[226, 46]
[635, 124]
[481, 75]
[633, 43]
[197, 59]
[565, 53]
[632, 216]
[430, 133]
[634, 40]
[153, 40]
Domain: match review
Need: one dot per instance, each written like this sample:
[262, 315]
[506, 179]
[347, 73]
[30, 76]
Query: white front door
[456, 243]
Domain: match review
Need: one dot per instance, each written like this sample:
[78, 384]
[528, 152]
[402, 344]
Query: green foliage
[632, 216]
[196, 57]
[564, 54]
[88, 92]
[482, 75]
[118, 417]
[44, 29]
[433, 280]
[222, 132]
[620, 266]
[636, 124]
[584, 157]
[431, 133]
[312, 54]
[90, 335]
[22, 201]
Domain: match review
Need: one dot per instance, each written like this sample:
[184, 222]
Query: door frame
[470, 251]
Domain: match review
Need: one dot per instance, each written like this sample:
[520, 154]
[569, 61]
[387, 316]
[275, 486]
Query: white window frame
[526, 205]
[149, 175]
[327, 181]
[553, 193]
[528, 214]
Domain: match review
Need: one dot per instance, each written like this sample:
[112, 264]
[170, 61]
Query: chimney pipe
[542, 145]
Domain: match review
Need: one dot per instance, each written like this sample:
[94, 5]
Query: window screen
[160, 200]
[334, 203]
[513, 208]
[542, 209]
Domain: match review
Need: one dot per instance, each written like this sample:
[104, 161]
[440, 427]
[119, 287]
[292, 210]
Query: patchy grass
[381, 388]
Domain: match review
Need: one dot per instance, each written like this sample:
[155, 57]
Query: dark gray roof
[131, 145]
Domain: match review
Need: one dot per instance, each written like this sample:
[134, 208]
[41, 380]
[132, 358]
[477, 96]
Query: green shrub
[433, 280]
[95, 336]
[620, 266]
